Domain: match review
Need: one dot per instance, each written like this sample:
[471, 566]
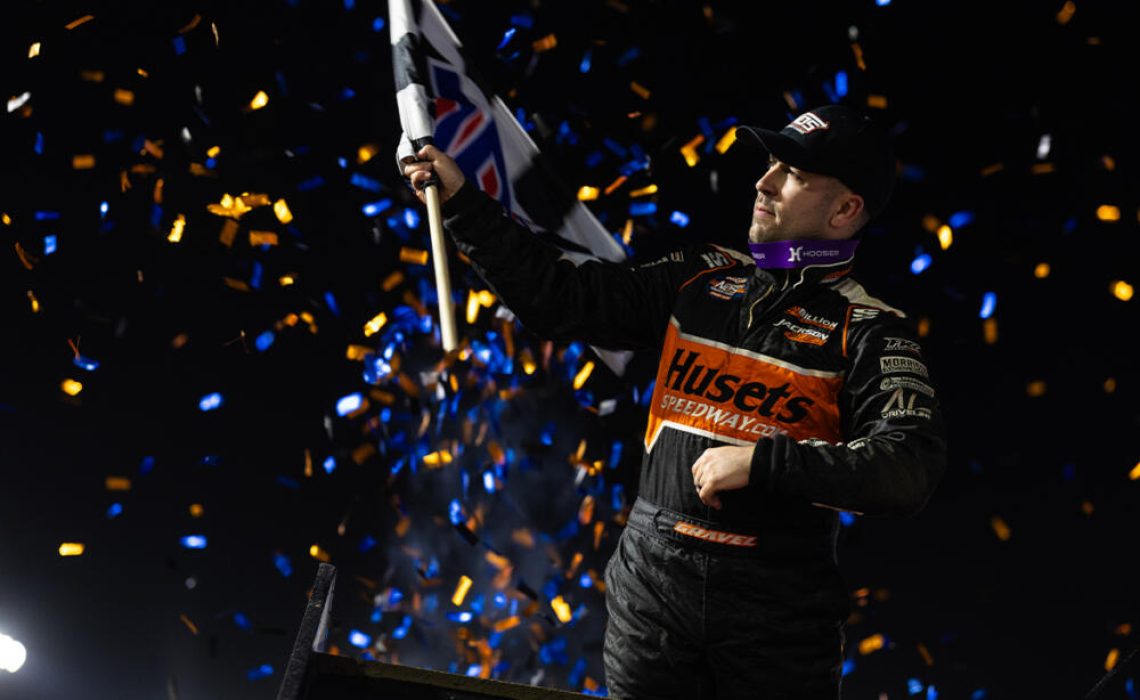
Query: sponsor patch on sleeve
[889, 383]
[901, 345]
[894, 364]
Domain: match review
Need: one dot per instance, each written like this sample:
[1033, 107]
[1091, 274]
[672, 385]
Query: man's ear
[848, 210]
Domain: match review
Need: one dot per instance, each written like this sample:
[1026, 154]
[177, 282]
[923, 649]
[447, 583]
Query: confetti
[71, 549]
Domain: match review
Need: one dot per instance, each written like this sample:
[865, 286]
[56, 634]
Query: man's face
[792, 204]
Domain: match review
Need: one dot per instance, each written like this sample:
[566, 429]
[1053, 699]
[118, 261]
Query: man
[785, 394]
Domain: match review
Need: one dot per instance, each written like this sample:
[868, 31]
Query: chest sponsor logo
[802, 334]
[893, 364]
[901, 404]
[728, 288]
[901, 345]
[735, 396]
[709, 535]
[798, 313]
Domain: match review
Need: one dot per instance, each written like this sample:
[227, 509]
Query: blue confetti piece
[367, 543]
[914, 686]
[155, 216]
[283, 565]
[264, 341]
[841, 83]
[642, 208]
[112, 135]
[912, 173]
[617, 500]
[411, 218]
[586, 581]
[39, 147]
[848, 666]
[847, 519]
[209, 402]
[262, 671]
[366, 183]
[211, 163]
[310, 184]
[358, 639]
[1130, 688]
[455, 511]
[46, 215]
[587, 58]
[402, 631]
[989, 302]
[211, 460]
[255, 278]
[463, 616]
[378, 24]
[85, 363]
[628, 56]
[679, 218]
[349, 5]
[179, 45]
[146, 465]
[488, 482]
[882, 3]
[507, 36]
[494, 640]
[554, 651]
[615, 454]
[575, 677]
[348, 404]
[242, 621]
[615, 147]
[979, 694]
[103, 209]
[500, 600]
[473, 670]
[829, 92]
[524, 21]
[920, 263]
[288, 482]
[330, 301]
[375, 208]
[931, 693]
[329, 464]
[961, 218]
[193, 541]
[594, 159]
[115, 510]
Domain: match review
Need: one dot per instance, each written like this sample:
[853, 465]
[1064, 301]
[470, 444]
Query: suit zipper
[753, 307]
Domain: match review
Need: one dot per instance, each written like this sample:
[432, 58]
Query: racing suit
[829, 385]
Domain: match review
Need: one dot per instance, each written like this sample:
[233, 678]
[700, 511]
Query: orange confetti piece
[229, 233]
[1110, 385]
[92, 76]
[366, 152]
[507, 623]
[639, 89]
[725, 142]
[375, 324]
[319, 554]
[117, 483]
[262, 238]
[71, 549]
[1121, 290]
[497, 560]
[1066, 12]
[1035, 388]
[1111, 659]
[124, 97]
[689, 150]
[85, 161]
[599, 530]
[196, 510]
[1000, 528]
[1135, 473]
[523, 537]
[546, 43]
[191, 24]
[871, 644]
[583, 375]
[642, 192]
[990, 330]
[259, 100]
[35, 302]
[26, 259]
[461, 591]
[562, 609]
[877, 101]
[858, 51]
[615, 184]
[392, 281]
[1042, 168]
[923, 327]
[1108, 212]
[587, 193]
[586, 510]
[991, 169]
[356, 352]
[75, 23]
[945, 236]
[189, 625]
[413, 256]
[281, 211]
[1041, 271]
[925, 653]
[34, 50]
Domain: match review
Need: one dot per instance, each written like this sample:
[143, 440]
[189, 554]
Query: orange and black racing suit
[826, 381]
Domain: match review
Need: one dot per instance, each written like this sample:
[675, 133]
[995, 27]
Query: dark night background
[1042, 422]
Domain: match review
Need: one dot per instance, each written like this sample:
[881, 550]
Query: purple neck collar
[793, 254]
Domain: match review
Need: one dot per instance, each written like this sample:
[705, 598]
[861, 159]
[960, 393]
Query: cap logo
[807, 123]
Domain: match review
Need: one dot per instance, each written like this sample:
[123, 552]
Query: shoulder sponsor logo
[808, 122]
[802, 334]
[798, 253]
[889, 383]
[709, 535]
[715, 259]
[730, 396]
[894, 364]
[901, 405]
[902, 345]
[862, 313]
[728, 288]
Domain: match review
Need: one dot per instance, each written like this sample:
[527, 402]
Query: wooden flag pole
[442, 276]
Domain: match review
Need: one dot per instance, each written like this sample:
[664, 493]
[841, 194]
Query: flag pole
[442, 276]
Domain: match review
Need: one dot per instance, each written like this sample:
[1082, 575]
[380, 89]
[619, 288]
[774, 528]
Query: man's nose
[766, 182]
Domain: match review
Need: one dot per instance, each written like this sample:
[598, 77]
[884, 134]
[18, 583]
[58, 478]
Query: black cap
[839, 141]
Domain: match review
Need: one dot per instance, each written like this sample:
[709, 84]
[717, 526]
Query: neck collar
[785, 255]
